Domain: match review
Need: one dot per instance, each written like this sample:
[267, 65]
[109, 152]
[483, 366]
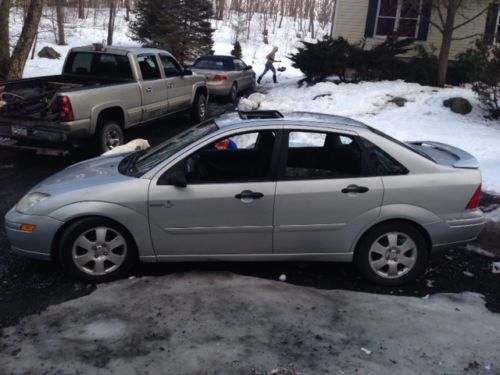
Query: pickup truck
[101, 92]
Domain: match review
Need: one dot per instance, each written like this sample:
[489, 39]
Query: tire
[109, 135]
[233, 93]
[391, 254]
[199, 109]
[97, 250]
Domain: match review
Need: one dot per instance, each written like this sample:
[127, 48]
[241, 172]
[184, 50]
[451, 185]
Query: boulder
[458, 105]
[399, 101]
[49, 53]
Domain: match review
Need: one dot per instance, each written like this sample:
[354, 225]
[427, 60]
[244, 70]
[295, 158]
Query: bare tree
[4, 36]
[446, 24]
[81, 9]
[111, 24]
[60, 22]
[25, 41]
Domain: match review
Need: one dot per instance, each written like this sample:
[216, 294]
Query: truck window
[149, 67]
[170, 66]
[98, 64]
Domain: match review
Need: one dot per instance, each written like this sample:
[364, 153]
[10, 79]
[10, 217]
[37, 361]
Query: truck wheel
[109, 136]
[199, 109]
[97, 250]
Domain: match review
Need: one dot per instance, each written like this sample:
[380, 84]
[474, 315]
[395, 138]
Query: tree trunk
[81, 9]
[4, 36]
[25, 41]
[111, 24]
[60, 22]
[127, 10]
[444, 53]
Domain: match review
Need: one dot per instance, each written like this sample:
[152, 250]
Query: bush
[236, 52]
[483, 66]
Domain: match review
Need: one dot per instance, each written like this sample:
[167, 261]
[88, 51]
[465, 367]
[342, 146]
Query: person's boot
[274, 79]
[258, 81]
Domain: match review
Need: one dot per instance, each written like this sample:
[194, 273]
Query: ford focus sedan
[257, 186]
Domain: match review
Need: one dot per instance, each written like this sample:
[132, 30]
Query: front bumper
[36, 245]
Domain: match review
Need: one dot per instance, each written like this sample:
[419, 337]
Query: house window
[400, 17]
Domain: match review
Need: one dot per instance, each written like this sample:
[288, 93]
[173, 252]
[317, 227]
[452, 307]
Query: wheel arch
[425, 234]
[115, 112]
[56, 241]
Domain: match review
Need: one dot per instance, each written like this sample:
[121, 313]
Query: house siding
[351, 17]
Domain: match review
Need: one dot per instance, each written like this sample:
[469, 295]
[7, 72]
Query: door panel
[154, 94]
[178, 86]
[208, 219]
[314, 216]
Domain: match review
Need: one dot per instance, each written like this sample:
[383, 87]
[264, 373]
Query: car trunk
[35, 98]
[209, 74]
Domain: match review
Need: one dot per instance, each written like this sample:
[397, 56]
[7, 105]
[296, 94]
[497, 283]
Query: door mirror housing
[177, 179]
[249, 67]
[187, 72]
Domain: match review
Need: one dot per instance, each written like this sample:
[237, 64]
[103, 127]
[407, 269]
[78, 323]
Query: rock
[399, 101]
[322, 96]
[458, 105]
[49, 53]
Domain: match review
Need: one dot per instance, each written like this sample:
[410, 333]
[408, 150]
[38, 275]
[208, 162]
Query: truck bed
[34, 98]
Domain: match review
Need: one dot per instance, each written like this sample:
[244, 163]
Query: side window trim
[155, 58]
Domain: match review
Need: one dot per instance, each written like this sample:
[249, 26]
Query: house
[374, 20]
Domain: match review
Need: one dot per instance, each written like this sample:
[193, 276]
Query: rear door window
[149, 67]
[98, 64]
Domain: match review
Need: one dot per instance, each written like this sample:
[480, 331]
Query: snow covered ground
[221, 323]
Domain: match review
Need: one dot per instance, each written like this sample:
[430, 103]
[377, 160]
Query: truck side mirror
[187, 72]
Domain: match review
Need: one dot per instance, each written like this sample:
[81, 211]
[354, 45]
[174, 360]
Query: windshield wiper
[127, 166]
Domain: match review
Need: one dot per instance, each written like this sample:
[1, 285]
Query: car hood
[97, 171]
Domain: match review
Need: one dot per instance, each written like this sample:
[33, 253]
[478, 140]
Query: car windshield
[213, 64]
[139, 163]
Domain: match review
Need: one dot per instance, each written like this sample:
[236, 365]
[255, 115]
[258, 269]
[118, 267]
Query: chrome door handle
[149, 89]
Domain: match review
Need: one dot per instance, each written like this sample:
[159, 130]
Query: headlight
[29, 201]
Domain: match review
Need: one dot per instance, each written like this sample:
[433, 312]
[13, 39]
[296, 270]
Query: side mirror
[177, 179]
[249, 67]
[187, 72]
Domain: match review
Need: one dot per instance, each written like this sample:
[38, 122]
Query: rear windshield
[214, 64]
[98, 65]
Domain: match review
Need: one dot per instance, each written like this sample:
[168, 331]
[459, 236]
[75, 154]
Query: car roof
[307, 119]
[120, 50]
[217, 57]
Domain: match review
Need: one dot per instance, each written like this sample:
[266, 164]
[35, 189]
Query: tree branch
[471, 19]
[467, 37]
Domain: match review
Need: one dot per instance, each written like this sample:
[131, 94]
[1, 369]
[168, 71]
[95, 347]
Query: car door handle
[169, 85]
[149, 89]
[248, 195]
[355, 189]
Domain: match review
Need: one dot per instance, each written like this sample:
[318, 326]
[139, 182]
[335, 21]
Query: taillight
[66, 112]
[219, 78]
[474, 201]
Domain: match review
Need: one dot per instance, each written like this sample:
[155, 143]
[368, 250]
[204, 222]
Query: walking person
[269, 65]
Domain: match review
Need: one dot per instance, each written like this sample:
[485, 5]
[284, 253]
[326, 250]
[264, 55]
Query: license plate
[19, 131]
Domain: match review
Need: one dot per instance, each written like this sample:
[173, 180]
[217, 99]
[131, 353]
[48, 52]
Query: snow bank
[219, 323]
[422, 118]
[133, 145]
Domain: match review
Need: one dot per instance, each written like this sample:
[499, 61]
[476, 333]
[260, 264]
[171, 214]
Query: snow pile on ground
[219, 323]
[134, 145]
[422, 118]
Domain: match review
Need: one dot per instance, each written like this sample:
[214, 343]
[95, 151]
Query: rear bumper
[454, 232]
[37, 245]
[219, 88]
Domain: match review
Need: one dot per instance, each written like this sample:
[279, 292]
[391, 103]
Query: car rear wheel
[199, 110]
[97, 250]
[233, 93]
[108, 136]
[392, 254]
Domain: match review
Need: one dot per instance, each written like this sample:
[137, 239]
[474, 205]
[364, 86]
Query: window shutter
[491, 24]
[371, 18]
[423, 27]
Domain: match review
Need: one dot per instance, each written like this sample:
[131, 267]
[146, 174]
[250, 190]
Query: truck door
[154, 94]
[179, 87]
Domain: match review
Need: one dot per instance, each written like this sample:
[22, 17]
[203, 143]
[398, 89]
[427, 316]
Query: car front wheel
[392, 254]
[97, 250]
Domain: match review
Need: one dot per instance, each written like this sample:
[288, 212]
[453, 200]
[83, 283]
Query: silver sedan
[226, 75]
[256, 187]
